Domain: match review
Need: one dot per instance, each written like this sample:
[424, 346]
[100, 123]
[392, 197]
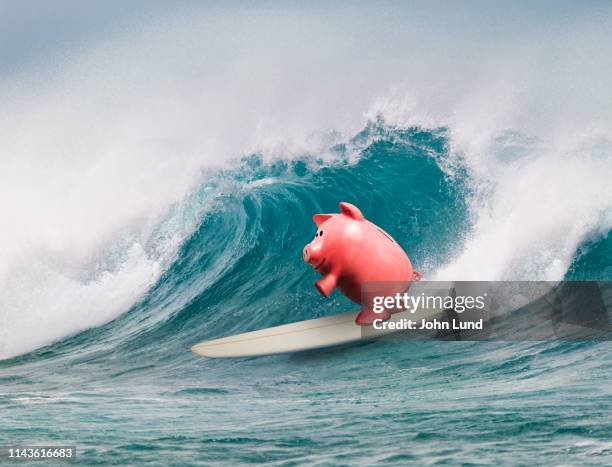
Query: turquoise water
[130, 391]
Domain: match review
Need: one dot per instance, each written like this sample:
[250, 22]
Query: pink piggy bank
[348, 251]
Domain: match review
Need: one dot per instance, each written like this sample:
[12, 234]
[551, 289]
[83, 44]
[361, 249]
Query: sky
[32, 31]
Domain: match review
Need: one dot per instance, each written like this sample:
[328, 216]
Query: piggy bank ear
[351, 211]
[320, 218]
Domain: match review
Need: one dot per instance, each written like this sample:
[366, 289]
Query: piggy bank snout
[311, 254]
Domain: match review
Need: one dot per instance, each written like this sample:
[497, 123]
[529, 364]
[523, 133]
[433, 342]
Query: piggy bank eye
[321, 233]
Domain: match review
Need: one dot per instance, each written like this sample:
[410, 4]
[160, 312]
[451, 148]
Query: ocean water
[149, 204]
[130, 391]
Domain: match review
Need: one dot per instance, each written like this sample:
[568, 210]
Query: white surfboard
[305, 335]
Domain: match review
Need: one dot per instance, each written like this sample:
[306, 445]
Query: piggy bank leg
[367, 316]
[326, 284]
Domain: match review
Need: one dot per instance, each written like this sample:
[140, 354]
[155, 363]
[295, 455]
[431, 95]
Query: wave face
[158, 192]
